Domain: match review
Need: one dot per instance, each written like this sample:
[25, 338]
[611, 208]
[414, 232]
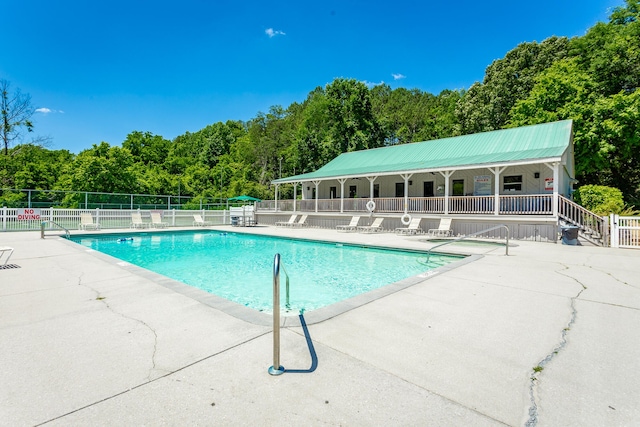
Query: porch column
[555, 167]
[406, 191]
[371, 179]
[342, 181]
[496, 188]
[276, 198]
[446, 175]
[295, 195]
[316, 183]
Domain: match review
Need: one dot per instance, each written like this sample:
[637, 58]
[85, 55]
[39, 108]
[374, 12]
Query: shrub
[600, 199]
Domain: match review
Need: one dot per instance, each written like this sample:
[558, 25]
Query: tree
[486, 105]
[15, 113]
[352, 125]
[101, 168]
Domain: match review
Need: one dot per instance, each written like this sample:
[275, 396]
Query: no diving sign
[29, 214]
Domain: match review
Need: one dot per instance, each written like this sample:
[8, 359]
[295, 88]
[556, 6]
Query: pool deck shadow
[545, 336]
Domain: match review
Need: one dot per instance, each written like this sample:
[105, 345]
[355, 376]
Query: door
[399, 189]
[428, 189]
[332, 192]
[458, 187]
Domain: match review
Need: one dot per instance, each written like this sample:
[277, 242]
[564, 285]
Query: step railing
[42, 228]
[276, 368]
[471, 235]
[593, 227]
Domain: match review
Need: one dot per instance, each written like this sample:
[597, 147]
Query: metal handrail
[471, 235]
[276, 368]
[66, 232]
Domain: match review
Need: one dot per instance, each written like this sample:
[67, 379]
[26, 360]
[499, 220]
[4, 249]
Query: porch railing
[532, 204]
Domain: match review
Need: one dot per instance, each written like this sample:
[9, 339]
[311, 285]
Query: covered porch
[520, 171]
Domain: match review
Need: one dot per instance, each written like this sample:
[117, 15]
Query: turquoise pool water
[239, 267]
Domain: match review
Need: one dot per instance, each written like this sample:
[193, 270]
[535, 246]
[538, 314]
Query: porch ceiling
[525, 145]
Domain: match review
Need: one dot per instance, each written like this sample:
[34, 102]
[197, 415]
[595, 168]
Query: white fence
[10, 220]
[625, 231]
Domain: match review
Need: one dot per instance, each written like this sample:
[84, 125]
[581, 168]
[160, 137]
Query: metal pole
[276, 369]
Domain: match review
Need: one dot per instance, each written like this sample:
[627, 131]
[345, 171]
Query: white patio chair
[302, 222]
[5, 250]
[412, 228]
[352, 226]
[287, 223]
[86, 222]
[198, 221]
[375, 227]
[156, 221]
[443, 230]
[136, 221]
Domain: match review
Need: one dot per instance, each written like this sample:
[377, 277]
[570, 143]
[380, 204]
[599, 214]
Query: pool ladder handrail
[276, 368]
[66, 232]
[471, 235]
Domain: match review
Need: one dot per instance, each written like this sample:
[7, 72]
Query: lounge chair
[301, 222]
[156, 221]
[373, 228]
[412, 228]
[352, 226]
[443, 230]
[86, 222]
[5, 250]
[136, 221]
[198, 221]
[287, 223]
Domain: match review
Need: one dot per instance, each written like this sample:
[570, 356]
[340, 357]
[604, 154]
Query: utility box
[569, 235]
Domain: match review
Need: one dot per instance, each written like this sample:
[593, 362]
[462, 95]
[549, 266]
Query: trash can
[569, 235]
[234, 221]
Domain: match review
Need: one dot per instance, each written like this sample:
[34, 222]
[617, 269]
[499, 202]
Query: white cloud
[271, 32]
[372, 84]
[398, 76]
[45, 110]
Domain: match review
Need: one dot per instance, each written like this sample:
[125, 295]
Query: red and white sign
[548, 184]
[28, 214]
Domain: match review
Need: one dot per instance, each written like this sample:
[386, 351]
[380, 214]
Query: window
[376, 190]
[458, 187]
[352, 191]
[512, 183]
[332, 192]
[428, 189]
[399, 189]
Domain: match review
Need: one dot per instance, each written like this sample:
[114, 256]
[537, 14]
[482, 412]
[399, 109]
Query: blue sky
[98, 70]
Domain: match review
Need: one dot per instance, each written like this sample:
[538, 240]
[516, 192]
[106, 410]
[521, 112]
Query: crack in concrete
[537, 370]
[106, 304]
[182, 368]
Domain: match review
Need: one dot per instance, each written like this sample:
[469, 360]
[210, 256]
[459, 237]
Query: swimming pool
[239, 267]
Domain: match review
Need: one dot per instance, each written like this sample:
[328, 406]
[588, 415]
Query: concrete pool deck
[547, 336]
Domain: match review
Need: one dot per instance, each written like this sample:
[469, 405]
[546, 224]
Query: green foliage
[486, 106]
[593, 80]
[12, 199]
[600, 199]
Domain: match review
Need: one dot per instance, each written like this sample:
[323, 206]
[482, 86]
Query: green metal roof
[546, 141]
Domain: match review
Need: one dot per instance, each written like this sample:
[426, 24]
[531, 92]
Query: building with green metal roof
[535, 159]
[519, 172]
